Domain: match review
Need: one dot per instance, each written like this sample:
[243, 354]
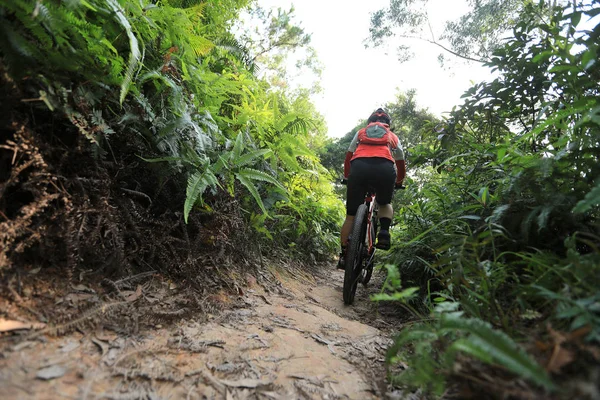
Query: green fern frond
[260, 176]
[295, 124]
[489, 344]
[134, 50]
[16, 41]
[174, 125]
[416, 333]
[237, 147]
[195, 11]
[247, 182]
[299, 126]
[197, 185]
[542, 219]
[250, 157]
[239, 51]
[297, 146]
[200, 45]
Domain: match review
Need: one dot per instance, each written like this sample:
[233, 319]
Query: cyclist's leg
[346, 227]
[355, 191]
[384, 186]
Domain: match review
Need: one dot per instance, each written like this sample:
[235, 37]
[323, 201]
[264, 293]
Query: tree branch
[273, 46]
[444, 48]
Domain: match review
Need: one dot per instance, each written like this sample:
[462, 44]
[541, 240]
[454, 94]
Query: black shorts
[375, 172]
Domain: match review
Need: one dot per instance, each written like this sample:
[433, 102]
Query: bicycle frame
[372, 211]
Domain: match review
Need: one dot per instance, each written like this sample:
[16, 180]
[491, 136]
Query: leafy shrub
[500, 215]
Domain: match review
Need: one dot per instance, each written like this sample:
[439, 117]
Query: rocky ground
[288, 337]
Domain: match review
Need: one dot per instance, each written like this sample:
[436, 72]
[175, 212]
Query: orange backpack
[375, 133]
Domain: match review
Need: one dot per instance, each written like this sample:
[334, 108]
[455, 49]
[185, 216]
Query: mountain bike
[360, 252]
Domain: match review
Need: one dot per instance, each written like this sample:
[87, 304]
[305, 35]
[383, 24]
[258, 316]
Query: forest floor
[292, 338]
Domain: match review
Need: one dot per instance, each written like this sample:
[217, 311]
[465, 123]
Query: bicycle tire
[354, 254]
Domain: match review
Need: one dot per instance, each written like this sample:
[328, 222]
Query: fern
[247, 182]
[198, 182]
[489, 345]
[235, 48]
[16, 42]
[260, 176]
[237, 147]
[482, 342]
[200, 45]
[134, 51]
[251, 157]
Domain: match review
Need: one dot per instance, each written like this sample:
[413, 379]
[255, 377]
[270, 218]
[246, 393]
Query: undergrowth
[497, 240]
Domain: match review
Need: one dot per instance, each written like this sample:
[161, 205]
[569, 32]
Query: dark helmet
[379, 115]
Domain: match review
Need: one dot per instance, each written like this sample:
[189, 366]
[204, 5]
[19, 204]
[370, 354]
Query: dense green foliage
[497, 234]
[170, 80]
[499, 224]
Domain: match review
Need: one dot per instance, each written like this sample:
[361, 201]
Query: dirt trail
[297, 341]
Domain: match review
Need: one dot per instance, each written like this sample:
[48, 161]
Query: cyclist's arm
[349, 153]
[401, 172]
[398, 154]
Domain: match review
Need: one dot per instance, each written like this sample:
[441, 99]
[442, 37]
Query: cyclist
[374, 159]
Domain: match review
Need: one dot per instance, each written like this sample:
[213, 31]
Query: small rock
[53, 372]
[67, 347]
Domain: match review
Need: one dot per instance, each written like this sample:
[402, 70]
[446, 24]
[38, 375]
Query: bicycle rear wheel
[355, 253]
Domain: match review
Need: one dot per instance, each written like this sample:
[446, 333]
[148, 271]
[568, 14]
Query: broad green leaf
[499, 346]
[247, 182]
[484, 194]
[500, 154]
[237, 147]
[404, 295]
[470, 346]
[472, 217]
[562, 68]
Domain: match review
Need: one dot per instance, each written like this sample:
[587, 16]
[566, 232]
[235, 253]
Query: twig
[208, 378]
[139, 194]
[138, 276]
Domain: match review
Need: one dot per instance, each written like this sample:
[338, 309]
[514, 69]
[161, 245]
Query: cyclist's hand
[344, 181]
[399, 186]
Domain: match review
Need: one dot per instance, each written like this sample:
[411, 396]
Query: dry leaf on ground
[7, 325]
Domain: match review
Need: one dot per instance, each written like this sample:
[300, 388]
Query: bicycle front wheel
[355, 254]
[370, 262]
